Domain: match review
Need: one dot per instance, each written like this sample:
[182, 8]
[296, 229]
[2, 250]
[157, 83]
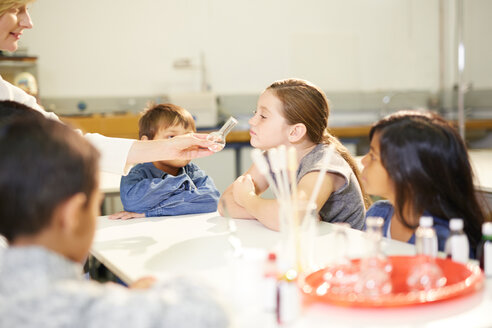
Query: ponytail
[329, 139]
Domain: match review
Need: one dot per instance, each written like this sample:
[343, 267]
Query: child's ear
[144, 137]
[297, 132]
[68, 213]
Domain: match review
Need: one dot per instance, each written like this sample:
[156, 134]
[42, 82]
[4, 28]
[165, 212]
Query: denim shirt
[147, 189]
[385, 210]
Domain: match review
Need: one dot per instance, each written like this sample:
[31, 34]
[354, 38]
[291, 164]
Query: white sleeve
[114, 151]
[11, 92]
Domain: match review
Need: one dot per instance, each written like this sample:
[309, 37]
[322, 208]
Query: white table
[109, 185]
[197, 245]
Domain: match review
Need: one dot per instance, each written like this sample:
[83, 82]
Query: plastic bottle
[288, 298]
[341, 274]
[484, 251]
[426, 238]
[375, 269]
[270, 282]
[457, 247]
[425, 274]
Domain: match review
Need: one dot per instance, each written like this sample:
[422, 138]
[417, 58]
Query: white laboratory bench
[197, 246]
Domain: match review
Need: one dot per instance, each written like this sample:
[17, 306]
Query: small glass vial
[219, 137]
[309, 231]
[288, 298]
[341, 274]
[426, 238]
[425, 274]
[457, 247]
[484, 251]
[270, 282]
[375, 269]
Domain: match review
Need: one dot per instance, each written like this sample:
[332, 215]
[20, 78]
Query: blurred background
[101, 61]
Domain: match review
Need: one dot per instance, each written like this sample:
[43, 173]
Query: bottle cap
[487, 229]
[374, 221]
[426, 221]
[456, 224]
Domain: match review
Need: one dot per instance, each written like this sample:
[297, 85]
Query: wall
[116, 55]
[107, 48]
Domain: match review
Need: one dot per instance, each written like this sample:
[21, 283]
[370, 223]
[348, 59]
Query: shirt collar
[159, 173]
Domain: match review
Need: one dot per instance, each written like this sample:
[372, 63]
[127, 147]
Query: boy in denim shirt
[49, 202]
[173, 187]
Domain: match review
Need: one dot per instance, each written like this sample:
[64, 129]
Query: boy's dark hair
[43, 163]
[157, 117]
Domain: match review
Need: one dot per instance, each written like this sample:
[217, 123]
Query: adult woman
[117, 154]
[419, 163]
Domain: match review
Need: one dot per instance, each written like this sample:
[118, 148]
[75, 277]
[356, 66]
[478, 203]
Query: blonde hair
[6, 5]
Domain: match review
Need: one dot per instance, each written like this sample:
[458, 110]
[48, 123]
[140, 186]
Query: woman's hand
[190, 146]
[243, 188]
[124, 215]
[186, 146]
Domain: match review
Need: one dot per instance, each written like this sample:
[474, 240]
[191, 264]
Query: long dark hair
[428, 164]
[305, 103]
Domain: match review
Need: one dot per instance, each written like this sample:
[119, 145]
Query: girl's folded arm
[232, 208]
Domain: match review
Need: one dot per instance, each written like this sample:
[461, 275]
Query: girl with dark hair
[295, 113]
[419, 164]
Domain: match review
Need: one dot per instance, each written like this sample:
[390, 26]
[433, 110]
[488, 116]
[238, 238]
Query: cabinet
[10, 66]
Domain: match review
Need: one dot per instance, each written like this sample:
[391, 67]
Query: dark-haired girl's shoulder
[381, 208]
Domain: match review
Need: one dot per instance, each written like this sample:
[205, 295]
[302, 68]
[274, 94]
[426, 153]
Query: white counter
[197, 245]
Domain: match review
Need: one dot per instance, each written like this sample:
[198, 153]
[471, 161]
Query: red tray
[461, 280]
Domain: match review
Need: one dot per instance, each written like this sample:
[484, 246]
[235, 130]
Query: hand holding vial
[219, 137]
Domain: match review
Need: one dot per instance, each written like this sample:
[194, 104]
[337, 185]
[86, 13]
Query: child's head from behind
[289, 111]
[165, 121]
[11, 110]
[419, 162]
[48, 186]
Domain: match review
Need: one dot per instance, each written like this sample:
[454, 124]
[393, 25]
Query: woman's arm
[118, 154]
[187, 146]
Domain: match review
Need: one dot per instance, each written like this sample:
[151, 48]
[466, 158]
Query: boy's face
[167, 133]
